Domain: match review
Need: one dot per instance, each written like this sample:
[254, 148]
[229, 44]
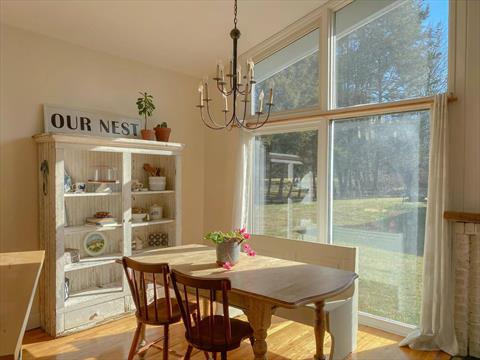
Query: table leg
[319, 329]
[259, 316]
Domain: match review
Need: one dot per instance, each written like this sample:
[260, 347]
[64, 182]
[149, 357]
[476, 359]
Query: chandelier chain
[235, 14]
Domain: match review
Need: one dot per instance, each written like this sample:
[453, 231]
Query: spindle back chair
[145, 281]
[205, 330]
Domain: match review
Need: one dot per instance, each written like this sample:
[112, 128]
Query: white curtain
[436, 329]
[243, 181]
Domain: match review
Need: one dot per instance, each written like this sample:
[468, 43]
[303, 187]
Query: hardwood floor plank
[286, 340]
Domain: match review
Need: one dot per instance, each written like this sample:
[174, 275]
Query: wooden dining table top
[281, 282]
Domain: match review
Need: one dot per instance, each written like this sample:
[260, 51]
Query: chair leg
[207, 355]
[188, 353]
[165, 342]
[136, 338]
[214, 356]
[224, 355]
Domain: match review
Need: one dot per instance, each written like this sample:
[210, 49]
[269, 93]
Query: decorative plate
[95, 243]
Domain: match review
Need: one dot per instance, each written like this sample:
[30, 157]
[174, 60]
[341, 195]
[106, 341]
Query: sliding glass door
[378, 190]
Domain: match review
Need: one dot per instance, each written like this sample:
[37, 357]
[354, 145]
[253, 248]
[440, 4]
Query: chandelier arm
[215, 124]
[223, 91]
[207, 124]
[258, 125]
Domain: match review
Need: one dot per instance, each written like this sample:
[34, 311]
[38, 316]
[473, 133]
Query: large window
[293, 73]
[390, 50]
[379, 190]
[370, 187]
[284, 192]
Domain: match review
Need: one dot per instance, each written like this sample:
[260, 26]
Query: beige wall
[37, 70]
[465, 133]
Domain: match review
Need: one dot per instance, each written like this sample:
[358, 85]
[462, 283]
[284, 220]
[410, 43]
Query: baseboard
[391, 326]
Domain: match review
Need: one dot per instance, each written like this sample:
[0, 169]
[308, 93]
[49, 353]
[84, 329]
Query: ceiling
[184, 35]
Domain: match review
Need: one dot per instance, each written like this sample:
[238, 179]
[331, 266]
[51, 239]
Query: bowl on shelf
[139, 217]
[157, 183]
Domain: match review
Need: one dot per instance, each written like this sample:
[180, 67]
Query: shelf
[91, 261]
[95, 294]
[151, 192]
[103, 182]
[69, 230]
[90, 194]
[152, 222]
[461, 216]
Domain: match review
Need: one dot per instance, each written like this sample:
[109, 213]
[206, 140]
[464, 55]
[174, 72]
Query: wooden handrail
[462, 216]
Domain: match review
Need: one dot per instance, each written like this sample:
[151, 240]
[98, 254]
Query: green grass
[390, 282]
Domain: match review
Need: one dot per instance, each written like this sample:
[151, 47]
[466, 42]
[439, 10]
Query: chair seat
[202, 338]
[162, 312]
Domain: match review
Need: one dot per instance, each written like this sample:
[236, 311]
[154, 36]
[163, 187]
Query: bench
[341, 310]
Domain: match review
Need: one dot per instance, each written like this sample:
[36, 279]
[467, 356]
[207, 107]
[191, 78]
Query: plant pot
[162, 134]
[228, 251]
[148, 135]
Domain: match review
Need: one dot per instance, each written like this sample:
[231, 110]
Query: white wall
[220, 148]
[37, 70]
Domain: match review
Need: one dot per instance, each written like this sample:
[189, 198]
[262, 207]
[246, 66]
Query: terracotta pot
[162, 134]
[148, 134]
[228, 251]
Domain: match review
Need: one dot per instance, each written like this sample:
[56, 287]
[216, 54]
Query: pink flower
[242, 230]
[246, 236]
[246, 248]
[251, 253]
[227, 266]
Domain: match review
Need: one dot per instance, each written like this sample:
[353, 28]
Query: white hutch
[97, 287]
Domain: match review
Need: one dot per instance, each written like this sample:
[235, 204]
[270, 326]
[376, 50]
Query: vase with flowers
[228, 245]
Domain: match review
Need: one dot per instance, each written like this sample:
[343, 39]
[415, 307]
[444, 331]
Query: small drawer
[94, 313]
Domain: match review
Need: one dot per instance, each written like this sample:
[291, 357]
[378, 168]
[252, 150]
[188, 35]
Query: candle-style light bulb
[205, 86]
[249, 70]
[260, 98]
[239, 75]
[200, 90]
[219, 62]
[226, 102]
[270, 99]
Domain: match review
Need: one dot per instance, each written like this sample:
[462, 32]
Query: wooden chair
[209, 333]
[152, 309]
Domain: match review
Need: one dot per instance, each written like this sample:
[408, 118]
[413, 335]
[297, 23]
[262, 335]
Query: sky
[438, 12]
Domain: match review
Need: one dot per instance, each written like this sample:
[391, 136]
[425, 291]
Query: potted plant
[145, 108]
[162, 132]
[228, 246]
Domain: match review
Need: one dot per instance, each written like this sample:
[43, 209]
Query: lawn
[390, 279]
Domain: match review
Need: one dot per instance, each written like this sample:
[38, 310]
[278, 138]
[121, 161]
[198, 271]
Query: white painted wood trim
[178, 201]
[111, 144]
[391, 326]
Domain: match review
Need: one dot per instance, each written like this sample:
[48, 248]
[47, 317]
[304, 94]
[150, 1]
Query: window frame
[321, 117]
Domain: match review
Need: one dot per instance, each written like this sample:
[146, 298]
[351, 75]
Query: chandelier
[239, 88]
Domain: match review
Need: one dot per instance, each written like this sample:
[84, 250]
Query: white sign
[63, 120]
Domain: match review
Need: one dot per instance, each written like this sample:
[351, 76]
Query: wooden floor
[286, 340]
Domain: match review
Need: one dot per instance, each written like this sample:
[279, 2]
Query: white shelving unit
[97, 287]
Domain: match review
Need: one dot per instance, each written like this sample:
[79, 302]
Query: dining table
[260, 284]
